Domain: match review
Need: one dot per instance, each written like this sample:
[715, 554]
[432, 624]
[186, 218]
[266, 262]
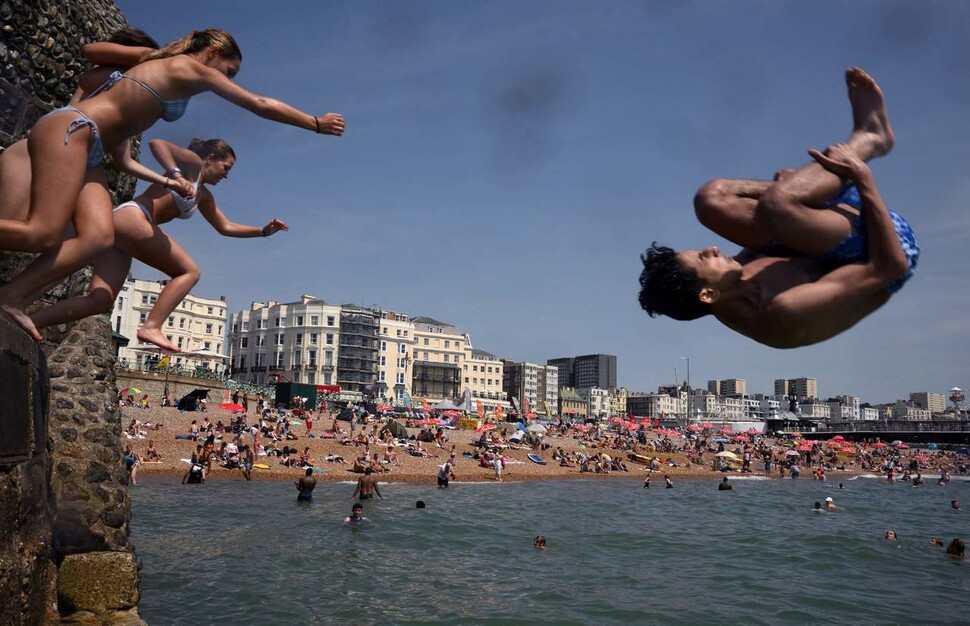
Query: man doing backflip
[821, 253]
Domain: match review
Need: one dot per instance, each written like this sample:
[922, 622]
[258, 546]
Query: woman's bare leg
[110, 271]
[15, 182]
[147, 243]
[57, 175]
[788, 211]
[95, 232]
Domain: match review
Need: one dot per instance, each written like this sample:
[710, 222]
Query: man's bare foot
[19, 316]
[155, 336]
[872, 136]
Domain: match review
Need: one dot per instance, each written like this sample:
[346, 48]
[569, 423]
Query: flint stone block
[98, 582]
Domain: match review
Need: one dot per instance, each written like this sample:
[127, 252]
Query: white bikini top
[186, 206]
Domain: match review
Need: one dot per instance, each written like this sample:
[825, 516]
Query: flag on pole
[479, 409]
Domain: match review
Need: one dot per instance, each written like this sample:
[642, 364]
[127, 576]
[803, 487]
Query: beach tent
[396, 428]
[537, 428]
[345, 415]
[446, 405]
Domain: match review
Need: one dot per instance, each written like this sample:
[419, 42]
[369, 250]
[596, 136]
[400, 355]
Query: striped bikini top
[171, 109]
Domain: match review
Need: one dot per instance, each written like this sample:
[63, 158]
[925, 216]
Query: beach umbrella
[693, 428]
[838, 438]
[896, 443]
[879, 445]
[707, 425]
[921, 457]
[385, 407]
[726, 455]
[581, 427]
[231, 406]
[742, 438]
[537, 428]
[847, 450]
[903, 446]
[792, 453]
[130, 391]
[833, 443]
[486, 426]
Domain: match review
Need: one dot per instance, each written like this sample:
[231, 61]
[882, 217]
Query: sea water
[247, 553]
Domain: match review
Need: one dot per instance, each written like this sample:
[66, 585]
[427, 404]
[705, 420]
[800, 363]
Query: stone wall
[64, 501]
[27, 572]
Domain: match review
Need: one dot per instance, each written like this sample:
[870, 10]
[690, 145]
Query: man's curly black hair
[666, 288]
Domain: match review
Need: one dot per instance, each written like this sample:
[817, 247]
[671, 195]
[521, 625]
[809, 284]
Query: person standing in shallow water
[306, 485]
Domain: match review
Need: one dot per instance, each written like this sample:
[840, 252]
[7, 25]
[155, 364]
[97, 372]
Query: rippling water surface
[248, 553]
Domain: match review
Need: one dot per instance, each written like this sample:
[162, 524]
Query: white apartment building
[844, 409]
[906, 411]
[597, 401]
[816, 410]
[298, 340]
[869, 414]
[395, 355]
[483, 374]
[197, 324]
[656, 405]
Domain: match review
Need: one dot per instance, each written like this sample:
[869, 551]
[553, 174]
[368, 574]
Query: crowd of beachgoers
[272, 443]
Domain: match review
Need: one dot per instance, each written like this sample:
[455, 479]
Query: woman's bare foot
[872, 136]
[155, 336]
[19, 316]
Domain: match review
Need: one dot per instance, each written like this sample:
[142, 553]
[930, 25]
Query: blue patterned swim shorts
[854, 249]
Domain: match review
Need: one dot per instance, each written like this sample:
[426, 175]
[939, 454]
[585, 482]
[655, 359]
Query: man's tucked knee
[774, 207]
[709, 200]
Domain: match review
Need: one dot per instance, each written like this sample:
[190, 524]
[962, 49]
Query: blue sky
[505, 163]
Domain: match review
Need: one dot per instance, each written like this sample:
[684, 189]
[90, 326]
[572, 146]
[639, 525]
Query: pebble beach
[163, 424]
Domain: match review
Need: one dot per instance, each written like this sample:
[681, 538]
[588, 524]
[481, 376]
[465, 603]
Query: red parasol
[230, 406]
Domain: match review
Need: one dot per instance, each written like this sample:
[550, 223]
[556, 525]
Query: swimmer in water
[356, 517]
[890, 535]
[539, 543]
[956, 548]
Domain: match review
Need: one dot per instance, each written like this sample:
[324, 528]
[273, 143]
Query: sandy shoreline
[169, 422]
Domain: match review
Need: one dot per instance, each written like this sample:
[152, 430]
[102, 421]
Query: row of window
[489, 381]
[314, 340]
[280, 322]
[150, 298]
[171, 323]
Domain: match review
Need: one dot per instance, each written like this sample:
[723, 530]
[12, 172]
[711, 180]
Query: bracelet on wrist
[316, 120]
[172, 173]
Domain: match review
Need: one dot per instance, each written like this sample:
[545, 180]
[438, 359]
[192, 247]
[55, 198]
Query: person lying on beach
[334, 458]
[819, 255]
